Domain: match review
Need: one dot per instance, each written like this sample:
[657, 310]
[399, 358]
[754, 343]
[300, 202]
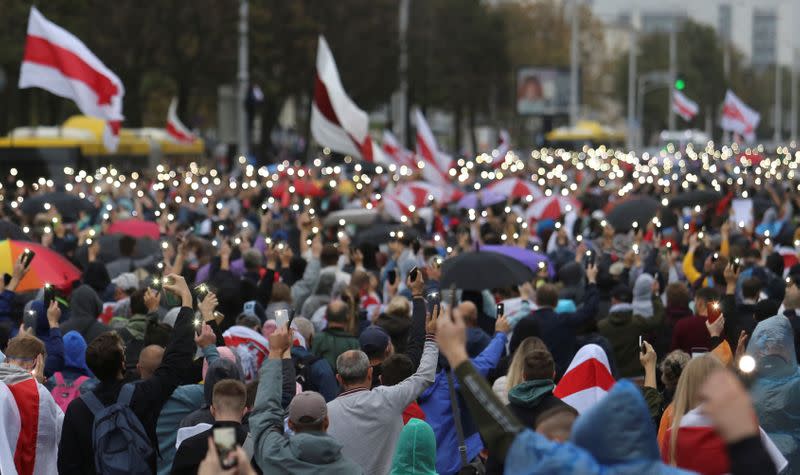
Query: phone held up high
[225, 441]
[27, 257]
[501, 309]
[391, 276]
[49, 295]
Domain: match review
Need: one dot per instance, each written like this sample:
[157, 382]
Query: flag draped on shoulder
[336, 121]
[436, 164]
[683, 106]
[57, 61]
[587, 380]
[175, 128]
[737, 117]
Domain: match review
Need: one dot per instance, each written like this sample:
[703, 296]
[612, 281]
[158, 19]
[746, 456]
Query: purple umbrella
[487, 198]
[529, 258]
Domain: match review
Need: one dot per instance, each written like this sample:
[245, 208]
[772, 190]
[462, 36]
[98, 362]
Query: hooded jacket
[642, 295]
[217, 370]
[623, 327]
[776, 389]
[74, 363]
[416, 450]
[85, 306]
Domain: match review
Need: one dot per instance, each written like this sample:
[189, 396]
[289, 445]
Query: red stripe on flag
[684, 110]
[323, 101]
[174, 132]
[232, 340]
[26, 395]
[589, 374]
[40, 51]
[429, 158]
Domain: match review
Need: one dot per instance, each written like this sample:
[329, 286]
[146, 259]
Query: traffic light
[680, 82]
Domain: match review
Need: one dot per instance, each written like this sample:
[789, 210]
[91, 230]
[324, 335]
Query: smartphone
[433, 299]
[225, 441]
[201, 291]
[698, 351]
[282, 317]
[736, 265]
[412, 274]
[6, 279]
[714, 311]
[452, 301]
[642, 348]
[155, 283]
[49, 295]
[588, 259]
[27, 257]
[391, 276]
[198, 326]
[501, 309]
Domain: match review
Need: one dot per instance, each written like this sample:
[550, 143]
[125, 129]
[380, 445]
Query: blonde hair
[687, 393]
[399, 306]
[516, 370]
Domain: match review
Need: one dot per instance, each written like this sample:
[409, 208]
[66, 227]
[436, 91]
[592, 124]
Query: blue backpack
[120, 443]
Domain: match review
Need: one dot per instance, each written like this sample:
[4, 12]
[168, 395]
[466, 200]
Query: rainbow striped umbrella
[47, 267]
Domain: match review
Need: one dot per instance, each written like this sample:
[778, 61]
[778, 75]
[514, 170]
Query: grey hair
[352, 366]
[252, 259]
[304, 327]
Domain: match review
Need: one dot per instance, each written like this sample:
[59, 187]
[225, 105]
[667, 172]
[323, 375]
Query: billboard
[542, 91]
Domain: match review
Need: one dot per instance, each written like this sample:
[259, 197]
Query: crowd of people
[290, 320]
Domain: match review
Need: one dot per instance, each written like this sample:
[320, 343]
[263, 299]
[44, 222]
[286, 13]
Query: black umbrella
[68, 205]
[694, 198]
[481, 270]
[640, 210]
[9, 230]
[109, 249]
[383, 233]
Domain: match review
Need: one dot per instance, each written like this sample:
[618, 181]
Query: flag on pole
[436, 164]
[175, 128]
[587, 380]
[57, 61]
[737, 117]
[683, 106]
[503, 146]
[396, 152]
[336, 121]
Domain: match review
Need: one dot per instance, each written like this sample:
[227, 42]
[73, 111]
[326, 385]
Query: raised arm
[266, 420]
[591, 300]
[416, 334]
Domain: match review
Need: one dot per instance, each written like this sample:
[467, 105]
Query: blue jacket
[776, 389]
[321, 374]
[435, 402]
[615, 437]
[51, 337]
[6, 304]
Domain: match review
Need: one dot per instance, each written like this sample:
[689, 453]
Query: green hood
[416, 450]
[137, 325]
[530, 393]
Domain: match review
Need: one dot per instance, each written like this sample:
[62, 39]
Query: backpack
[120, 443]
[302, 368]
[64, 392]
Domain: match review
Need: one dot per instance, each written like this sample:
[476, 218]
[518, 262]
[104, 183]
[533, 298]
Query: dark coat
[194, 449]
[622, 330]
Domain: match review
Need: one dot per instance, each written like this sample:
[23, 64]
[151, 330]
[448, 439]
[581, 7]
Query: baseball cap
[373, 339]
[126, 281]
[308, 407]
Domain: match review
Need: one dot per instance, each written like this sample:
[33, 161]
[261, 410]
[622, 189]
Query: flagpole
[574, 64]
[244, 80]
[778, 100]
[632, 88]
[673, 59]
[793, 82]
[402, 102]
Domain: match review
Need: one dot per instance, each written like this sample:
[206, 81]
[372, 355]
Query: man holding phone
[9, 285]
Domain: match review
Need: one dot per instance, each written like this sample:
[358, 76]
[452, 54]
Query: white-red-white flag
[251, 347]
[175, 128]
[436, 164]
[398, 154]
[57, 61]
[503, 147]
[587, 380]
[683, 106]
[737, 117]
[336, 121]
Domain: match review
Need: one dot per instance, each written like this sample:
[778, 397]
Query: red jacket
[690, 332]
[413, 411]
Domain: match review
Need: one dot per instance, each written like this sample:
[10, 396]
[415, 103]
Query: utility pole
[673, 71]
[632, 54]
[244, 80]
[778, 100]
[402, 97]
[574, 63]
[793, 82]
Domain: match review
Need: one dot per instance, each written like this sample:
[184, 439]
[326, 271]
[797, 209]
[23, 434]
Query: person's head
[353, 369]
[325, 284]
[621, 294]
[547, 296]
[396, 368]
[229, 400]
[23, 350]
[305, 328]
[556, 423]
[329, 256]
[137, 302]
[791, 299]
[434, 267]
[337, 314]
[687, 393]
[127, 246]
[516, 370]
[360, 281]
[281, 293]
[702, 298]
[375, 343]
[751, 288]
[399, 307]
[672, 367]
[105, 356]
[250, 321]
[539, 364]
[469, 311]
[308, 412]
[252, 260]
[149, 360]
[677, 295]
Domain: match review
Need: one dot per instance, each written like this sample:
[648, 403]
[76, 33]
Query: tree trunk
[472, 137]
[457, 127]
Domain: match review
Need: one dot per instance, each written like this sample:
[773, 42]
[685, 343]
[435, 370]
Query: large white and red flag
[30, 426]
[737, 117]
[587, 380]
[436, 164]
[336, 121]
[398, 154]
[57, 61]
[503, 147]
[683, 106]
[251, 347]
[175, 128]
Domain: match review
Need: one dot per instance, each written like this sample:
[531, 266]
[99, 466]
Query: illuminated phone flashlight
[741, 224]
[47, 206]
[281, 246]
[105, 216]
[635, 225]
[542, 265]
[558, 225]
[579, 238]
[315, 230]
[636, 249]
[669, 244]
[341, 222]
[164, 245]
[160, 266]
[55, 220]
[767, 242]
[47, 229]
[237, 241]
[747, 364]
[197, 322]
[48, 285]
[603, 223]
[89, 241]
[268, 240]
